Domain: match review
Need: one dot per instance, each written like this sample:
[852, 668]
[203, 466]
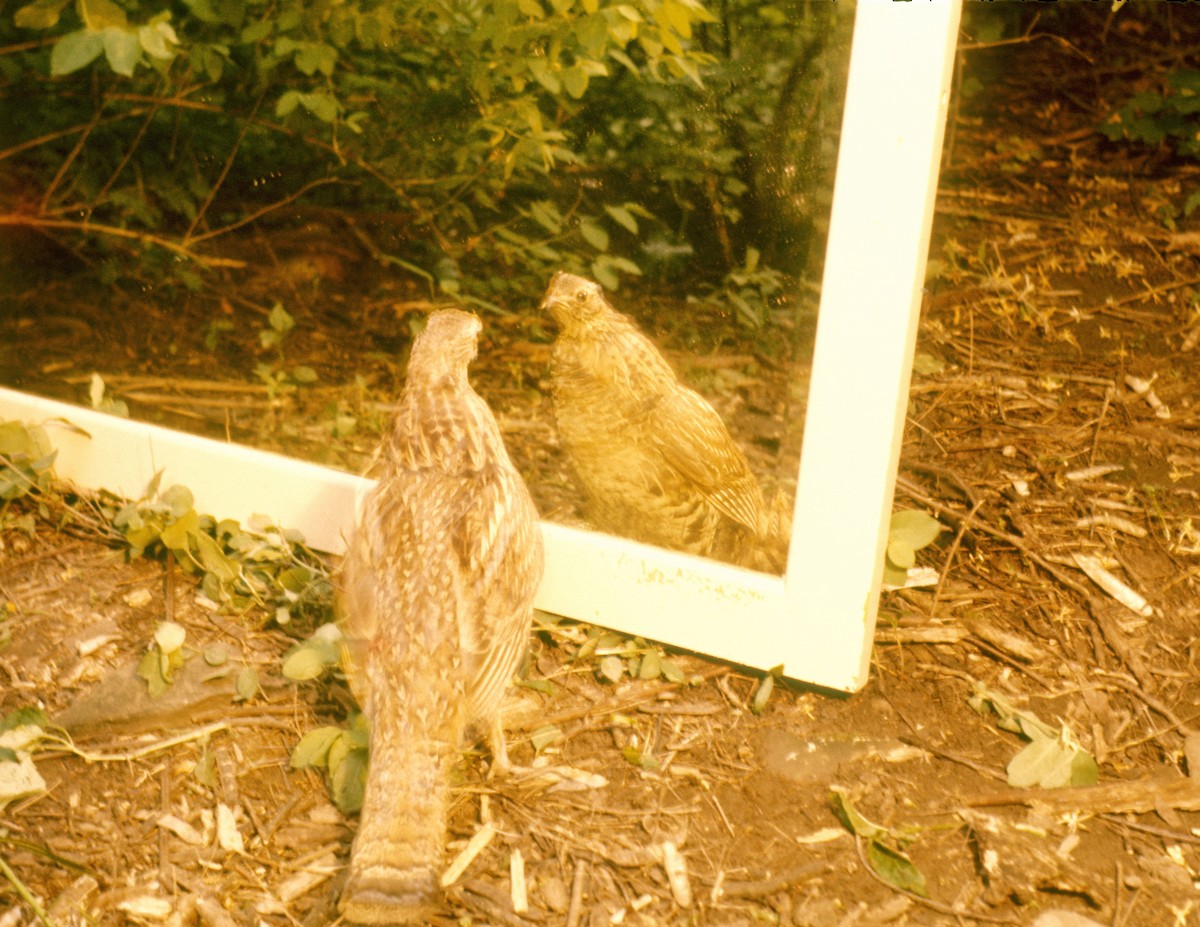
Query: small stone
[554, 893]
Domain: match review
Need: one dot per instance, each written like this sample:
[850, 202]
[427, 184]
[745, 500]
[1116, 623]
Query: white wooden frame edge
[818, 620]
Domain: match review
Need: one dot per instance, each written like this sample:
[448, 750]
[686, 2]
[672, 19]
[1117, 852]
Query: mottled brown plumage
[655, 459]
[437, 595]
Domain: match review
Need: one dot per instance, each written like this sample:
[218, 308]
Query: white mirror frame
[818, 620]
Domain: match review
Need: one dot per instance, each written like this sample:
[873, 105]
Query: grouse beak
[551, 301]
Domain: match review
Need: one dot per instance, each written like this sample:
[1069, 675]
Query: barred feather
[654, 458]
[437, 595]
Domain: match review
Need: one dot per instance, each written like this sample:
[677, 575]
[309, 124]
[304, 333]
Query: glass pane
[235, 227]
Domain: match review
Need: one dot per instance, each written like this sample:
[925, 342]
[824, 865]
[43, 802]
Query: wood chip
[181, 829]
[1113, 586]
[1105, 520]
[516, 876]
[307, 879]
[212, 914]
[229, 838]
[1145, 390]
[1093, 473]
[474, 847]
[677, 874]
[1007, 642]
[145, 907]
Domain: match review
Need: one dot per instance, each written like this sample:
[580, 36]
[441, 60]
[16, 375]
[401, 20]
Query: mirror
[678, 399]
[815, 621]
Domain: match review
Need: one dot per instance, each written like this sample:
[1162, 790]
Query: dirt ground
[1055, 281]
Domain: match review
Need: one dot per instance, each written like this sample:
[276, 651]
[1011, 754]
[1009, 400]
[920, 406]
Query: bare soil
[1057, 281]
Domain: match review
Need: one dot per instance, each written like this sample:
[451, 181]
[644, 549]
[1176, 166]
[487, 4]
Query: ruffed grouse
[437, 598]
[656, 462]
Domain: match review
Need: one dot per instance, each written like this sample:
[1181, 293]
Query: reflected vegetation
[240, 216]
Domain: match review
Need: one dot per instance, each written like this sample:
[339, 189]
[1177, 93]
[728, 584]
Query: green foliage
[617, 656]
[1168, 118]
[341, 753]
[164, 658]
[507, 138]
[908, 532]
[884, 848]
[450, 111]
[102, 402]
[1152, 118]
[310, 658]
[1053, 757]
[258, 565]
[26, 461]
[275, 376]
[21, 731]
[766, 686]
[751, 290]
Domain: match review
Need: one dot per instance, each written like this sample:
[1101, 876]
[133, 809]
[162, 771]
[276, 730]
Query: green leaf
[23, 717]
[895, 868]
[574, 81]
[41, 14]
[914, 528]
[176, 535]
[157, 39]
[926, 364]
[101, 14]
[286, 103]
[321, 105]
[295, 579]
[762, 694]
[26, 440]
[612, 668]
[311, 658]
[313, 748]
[316, 56]
[178, 500]
[623, 217]
[850, 816]
[651, 666]
[901, 554]
[893, 575]
[169, 636]
[214, 560]
[547, 216]
[348, 781]
[75, 50]
[256, 32]
[1051, 763]
[122, 49]
[246, 685]
[641, 760]
[205, 770]
[543, 686]
[280, 320]
[303, 665]
[544, 736]
[672, 672]
[593, 234]
[149, 668]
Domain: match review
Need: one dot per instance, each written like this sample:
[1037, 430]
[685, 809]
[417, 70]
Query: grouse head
[575, 302]
[445, 347]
